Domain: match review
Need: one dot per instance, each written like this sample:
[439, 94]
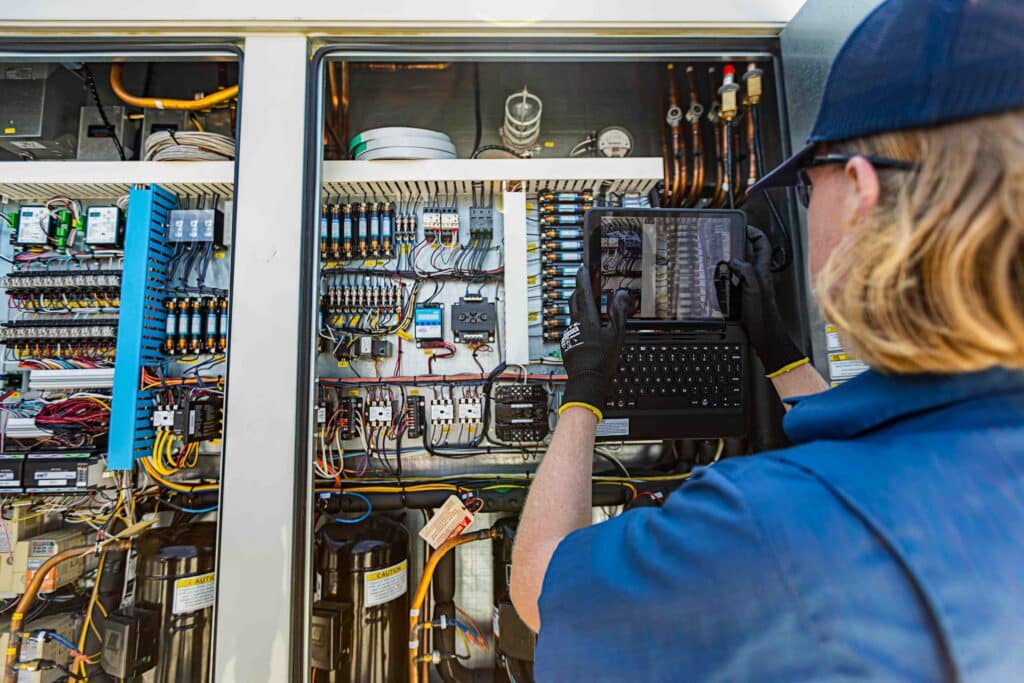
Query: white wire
[188, 146]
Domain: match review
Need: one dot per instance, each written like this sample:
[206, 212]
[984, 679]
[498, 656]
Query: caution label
[384, 585]
[194, 593]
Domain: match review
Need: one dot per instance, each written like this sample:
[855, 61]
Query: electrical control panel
[118, 287]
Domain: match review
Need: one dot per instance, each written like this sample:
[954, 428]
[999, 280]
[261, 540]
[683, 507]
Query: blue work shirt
[886, 545]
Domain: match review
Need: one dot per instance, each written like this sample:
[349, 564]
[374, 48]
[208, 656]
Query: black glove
[761, 318]
[590, 352]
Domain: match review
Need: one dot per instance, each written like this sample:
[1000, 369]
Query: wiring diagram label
[194, 593]
[384, 585]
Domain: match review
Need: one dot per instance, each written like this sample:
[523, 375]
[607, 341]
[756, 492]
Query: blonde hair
[933, 280]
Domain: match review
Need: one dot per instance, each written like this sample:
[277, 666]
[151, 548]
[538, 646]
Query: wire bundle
[188, 146]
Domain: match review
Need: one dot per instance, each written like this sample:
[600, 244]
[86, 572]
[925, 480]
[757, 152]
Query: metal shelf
[430, 177]
[27, 180]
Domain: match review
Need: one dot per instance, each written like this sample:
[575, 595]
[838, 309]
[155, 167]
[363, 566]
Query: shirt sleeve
[689, 587]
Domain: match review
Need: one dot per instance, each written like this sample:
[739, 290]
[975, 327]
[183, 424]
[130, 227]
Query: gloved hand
[761, 318]
[590, 352]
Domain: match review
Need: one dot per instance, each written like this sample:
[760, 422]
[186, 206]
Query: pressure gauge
[614, 141]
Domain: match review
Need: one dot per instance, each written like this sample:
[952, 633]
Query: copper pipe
[674, 118]
[751, 156]
[334, 143]
[693, 115]
[207, 102]
[666, 190]
[393, 67]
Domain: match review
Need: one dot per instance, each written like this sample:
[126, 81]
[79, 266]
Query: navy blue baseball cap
[914, 63]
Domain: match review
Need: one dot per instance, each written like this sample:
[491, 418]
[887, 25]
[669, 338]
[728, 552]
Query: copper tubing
[421, 590]
[207, 102]
[392, 67]
[343, 124]
[666, 165]
[674, 118]
[693, 115]
[18, 618]
[751, 152]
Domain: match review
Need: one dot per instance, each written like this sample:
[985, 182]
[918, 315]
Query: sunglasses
[803, 179]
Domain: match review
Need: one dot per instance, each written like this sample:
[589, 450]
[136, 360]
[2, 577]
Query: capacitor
[374, 229]
[210, 329]
[335, 232]
[562, 219]
[557, 321]
[556, 309]
[362, 227]
[222, 323]
[569, 270]
[562, 245]
[568, 207]
[171, 305]
[568, 282]
[549, 196]
[386, 219]
[346, 230]
[571, 256]
[558, 294]
[195, 332]
[563, 234]
[324, 231]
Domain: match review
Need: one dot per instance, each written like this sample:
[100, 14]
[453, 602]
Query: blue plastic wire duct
[141, 324]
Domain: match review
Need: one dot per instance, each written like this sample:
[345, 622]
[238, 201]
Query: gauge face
[614, 141]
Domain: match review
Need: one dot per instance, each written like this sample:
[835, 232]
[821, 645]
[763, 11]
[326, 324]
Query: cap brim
[784, 175]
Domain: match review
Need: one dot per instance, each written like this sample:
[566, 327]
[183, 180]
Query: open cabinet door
[809, 43]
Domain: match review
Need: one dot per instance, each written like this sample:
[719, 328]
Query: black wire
[476, 102]
[487, 148]
[785, 246]
[90, 82]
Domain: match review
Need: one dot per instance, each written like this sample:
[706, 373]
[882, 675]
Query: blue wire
[61, 640]
[360, 518]
[199, 511]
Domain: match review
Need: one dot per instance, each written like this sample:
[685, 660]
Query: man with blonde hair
[887, 544]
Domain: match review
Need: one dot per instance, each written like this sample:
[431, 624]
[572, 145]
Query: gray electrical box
[96, 139]
[156, 120]
[38, 110]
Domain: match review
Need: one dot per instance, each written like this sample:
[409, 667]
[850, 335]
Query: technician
[887, 544]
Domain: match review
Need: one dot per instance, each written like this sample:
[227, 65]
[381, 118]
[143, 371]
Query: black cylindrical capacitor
[346, 230]
[563, 233]
[570, 256]
[562, 245]
[171, 306]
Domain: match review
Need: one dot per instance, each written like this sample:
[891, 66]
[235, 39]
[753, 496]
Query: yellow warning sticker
[342, 363]
[9, 131]
[194, 593]
[384, 585]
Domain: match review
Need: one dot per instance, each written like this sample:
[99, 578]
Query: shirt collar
[872, 399]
